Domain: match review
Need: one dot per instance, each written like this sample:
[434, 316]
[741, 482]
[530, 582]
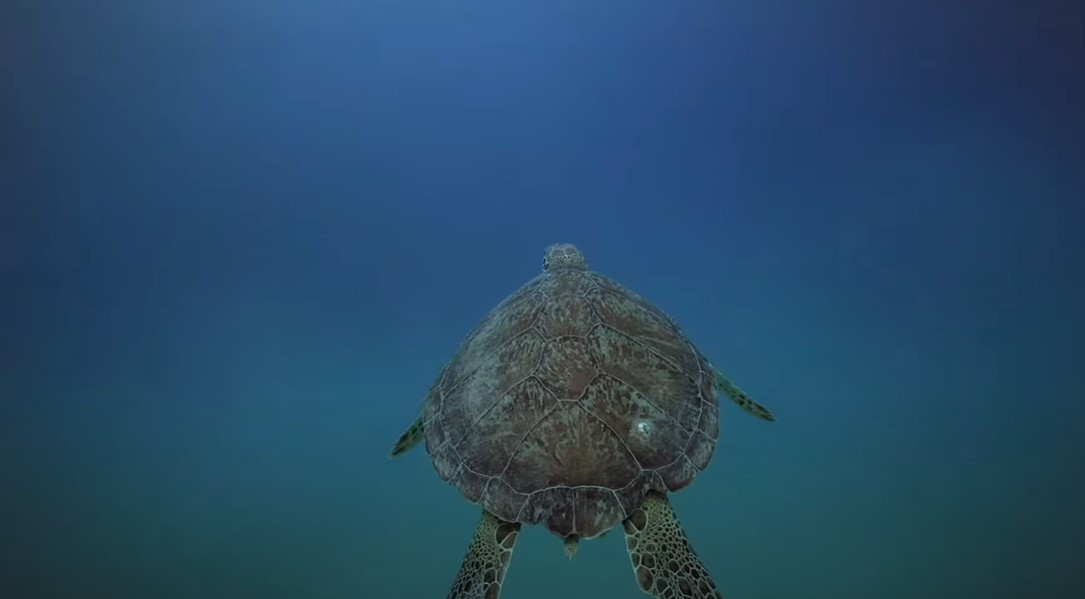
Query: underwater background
[239, 239]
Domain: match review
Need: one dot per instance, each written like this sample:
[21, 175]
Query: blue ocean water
[238, 241]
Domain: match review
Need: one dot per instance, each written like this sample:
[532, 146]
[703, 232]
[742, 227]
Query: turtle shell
[570, 401]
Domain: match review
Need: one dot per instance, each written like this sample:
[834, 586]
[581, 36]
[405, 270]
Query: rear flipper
[663, 560]
[483, 570]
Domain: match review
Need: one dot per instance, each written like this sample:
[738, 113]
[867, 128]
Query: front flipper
[487, 559]
[411, 437]
[725, 386]
[663, 560]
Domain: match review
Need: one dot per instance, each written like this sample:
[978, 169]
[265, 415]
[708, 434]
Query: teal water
[238, 240]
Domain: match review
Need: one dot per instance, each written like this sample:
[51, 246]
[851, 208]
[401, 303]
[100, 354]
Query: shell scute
[649, 432]
[472, 395]
[501, 498]
[660, 382]
[489, 445]
[572, 316]
[563, 449]
[568, 367]
[639, 321]
[513, 320]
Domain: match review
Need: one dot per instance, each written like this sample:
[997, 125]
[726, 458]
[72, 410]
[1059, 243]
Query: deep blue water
[238, 240]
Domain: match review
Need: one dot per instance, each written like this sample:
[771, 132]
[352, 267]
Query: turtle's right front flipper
[744, 401]
[483, 570]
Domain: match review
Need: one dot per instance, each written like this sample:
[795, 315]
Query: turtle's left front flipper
[664, 562]
[482, 573]
[410, 437]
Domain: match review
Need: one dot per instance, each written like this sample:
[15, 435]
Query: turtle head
[563, 256]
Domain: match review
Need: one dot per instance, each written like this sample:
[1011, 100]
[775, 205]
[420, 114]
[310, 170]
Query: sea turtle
[577, 405]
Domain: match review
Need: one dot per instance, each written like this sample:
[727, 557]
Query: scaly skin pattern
[483, 570]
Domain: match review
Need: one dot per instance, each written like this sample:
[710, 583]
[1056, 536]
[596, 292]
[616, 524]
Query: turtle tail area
[663, 560]
[483, 570]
